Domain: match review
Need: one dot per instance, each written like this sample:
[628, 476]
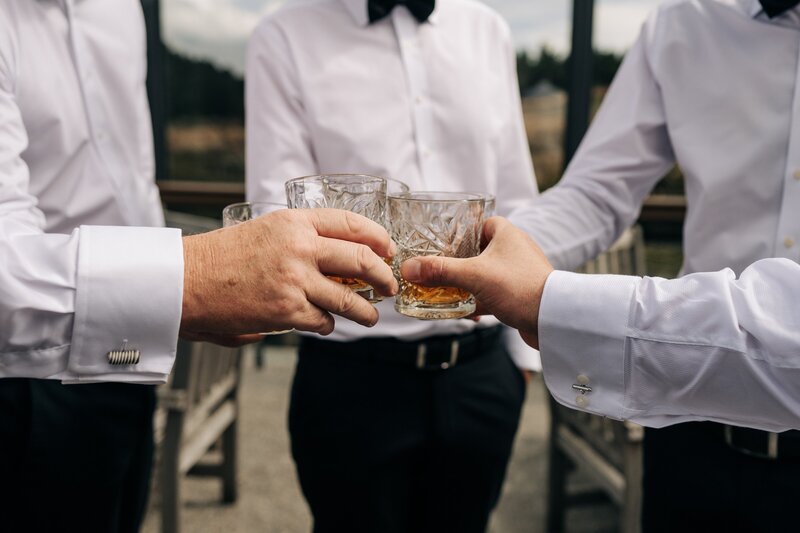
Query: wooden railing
[664, 208]
[658, 208]
[206, 193]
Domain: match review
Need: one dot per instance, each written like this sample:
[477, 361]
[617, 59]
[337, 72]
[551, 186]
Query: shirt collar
[358, 10]
[751, 7]
[754, 9]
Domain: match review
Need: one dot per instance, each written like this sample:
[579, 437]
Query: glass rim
[371, 178]
[242, 204]
[400, 182]
[455, 197]
[486, 195]
[230, 207]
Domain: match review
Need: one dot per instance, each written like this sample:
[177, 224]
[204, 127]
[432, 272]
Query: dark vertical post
[156, 84]
[580, 76]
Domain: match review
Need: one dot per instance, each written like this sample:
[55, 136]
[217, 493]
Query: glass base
[279, 332]
[369, 294]
[436, 312]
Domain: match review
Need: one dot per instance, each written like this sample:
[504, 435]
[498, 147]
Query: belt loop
[729, 435]
[422, 349]
[454, 352]
[772, 445]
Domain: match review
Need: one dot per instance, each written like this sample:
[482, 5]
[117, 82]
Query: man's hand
[268, 274]
[507, 279]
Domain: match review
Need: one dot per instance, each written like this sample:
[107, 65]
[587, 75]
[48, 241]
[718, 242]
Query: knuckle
[291, 278]
[435, 270]
[283, 306]
[303, 248]
[346, 303]
[324, 324]
[364, 258]
[355, 224]
[287, 307]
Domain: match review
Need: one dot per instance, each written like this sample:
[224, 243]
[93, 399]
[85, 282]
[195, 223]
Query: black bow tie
[773, 8]
[421, 9]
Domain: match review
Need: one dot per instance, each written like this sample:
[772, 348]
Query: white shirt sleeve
[621, 158]
[278, 138]
[706, 346]
[67, 300]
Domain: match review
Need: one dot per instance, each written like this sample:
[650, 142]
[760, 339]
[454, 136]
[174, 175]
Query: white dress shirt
[715, 86]
[435, 105]
[76, 163]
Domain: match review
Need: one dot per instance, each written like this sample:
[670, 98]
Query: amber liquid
[413, 293]
[354, 283]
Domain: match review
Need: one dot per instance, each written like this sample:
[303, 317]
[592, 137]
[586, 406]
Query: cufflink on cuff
[582, 386]
[123, 356]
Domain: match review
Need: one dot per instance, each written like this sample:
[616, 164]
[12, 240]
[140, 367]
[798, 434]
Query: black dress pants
[381, 448]
[74, 458]
[694, 481]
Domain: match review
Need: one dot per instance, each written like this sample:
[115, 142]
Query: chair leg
[229, 462]
[631, 512]
[558, 469]
[170, 476]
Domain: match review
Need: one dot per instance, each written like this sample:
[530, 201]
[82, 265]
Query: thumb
[437, 270]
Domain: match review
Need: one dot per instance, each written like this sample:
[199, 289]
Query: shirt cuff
[583, 320]
[129, 294]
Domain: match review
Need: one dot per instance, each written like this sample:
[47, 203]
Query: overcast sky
[218, 29]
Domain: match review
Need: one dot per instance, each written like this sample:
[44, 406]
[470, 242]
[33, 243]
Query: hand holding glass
[434, 223]
[361, 194]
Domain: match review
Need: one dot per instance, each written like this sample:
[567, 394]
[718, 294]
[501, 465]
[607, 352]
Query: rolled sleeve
[581, 346]
[129, 292]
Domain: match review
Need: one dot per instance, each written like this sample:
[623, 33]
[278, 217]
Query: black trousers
[381, 448]
[693, 481]
[74, 457]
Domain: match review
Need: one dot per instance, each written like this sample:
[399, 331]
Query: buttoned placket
[95, 117]
[407, 31]
[787, 237]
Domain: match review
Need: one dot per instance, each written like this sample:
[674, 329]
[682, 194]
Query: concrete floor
[270, 498]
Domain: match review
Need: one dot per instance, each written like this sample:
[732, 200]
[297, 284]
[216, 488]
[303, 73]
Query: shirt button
[788, 242]
[101, 136]
[426, 153]
[796, 175]
[582, 379]
[418, 99]
[581, 401]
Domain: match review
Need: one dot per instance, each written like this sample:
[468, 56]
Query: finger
[347, 226]
[491, 227]
[315, 319]
[489, 230]
[480, 310]
[437, 270]
[341, 300]
[349, 260]
[478, 313]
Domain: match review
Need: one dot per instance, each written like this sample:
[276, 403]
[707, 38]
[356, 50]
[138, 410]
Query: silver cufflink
[582, 387]
[123, 356]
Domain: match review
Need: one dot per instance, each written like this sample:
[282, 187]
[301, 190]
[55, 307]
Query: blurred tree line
[552, 67]
[198, 89]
